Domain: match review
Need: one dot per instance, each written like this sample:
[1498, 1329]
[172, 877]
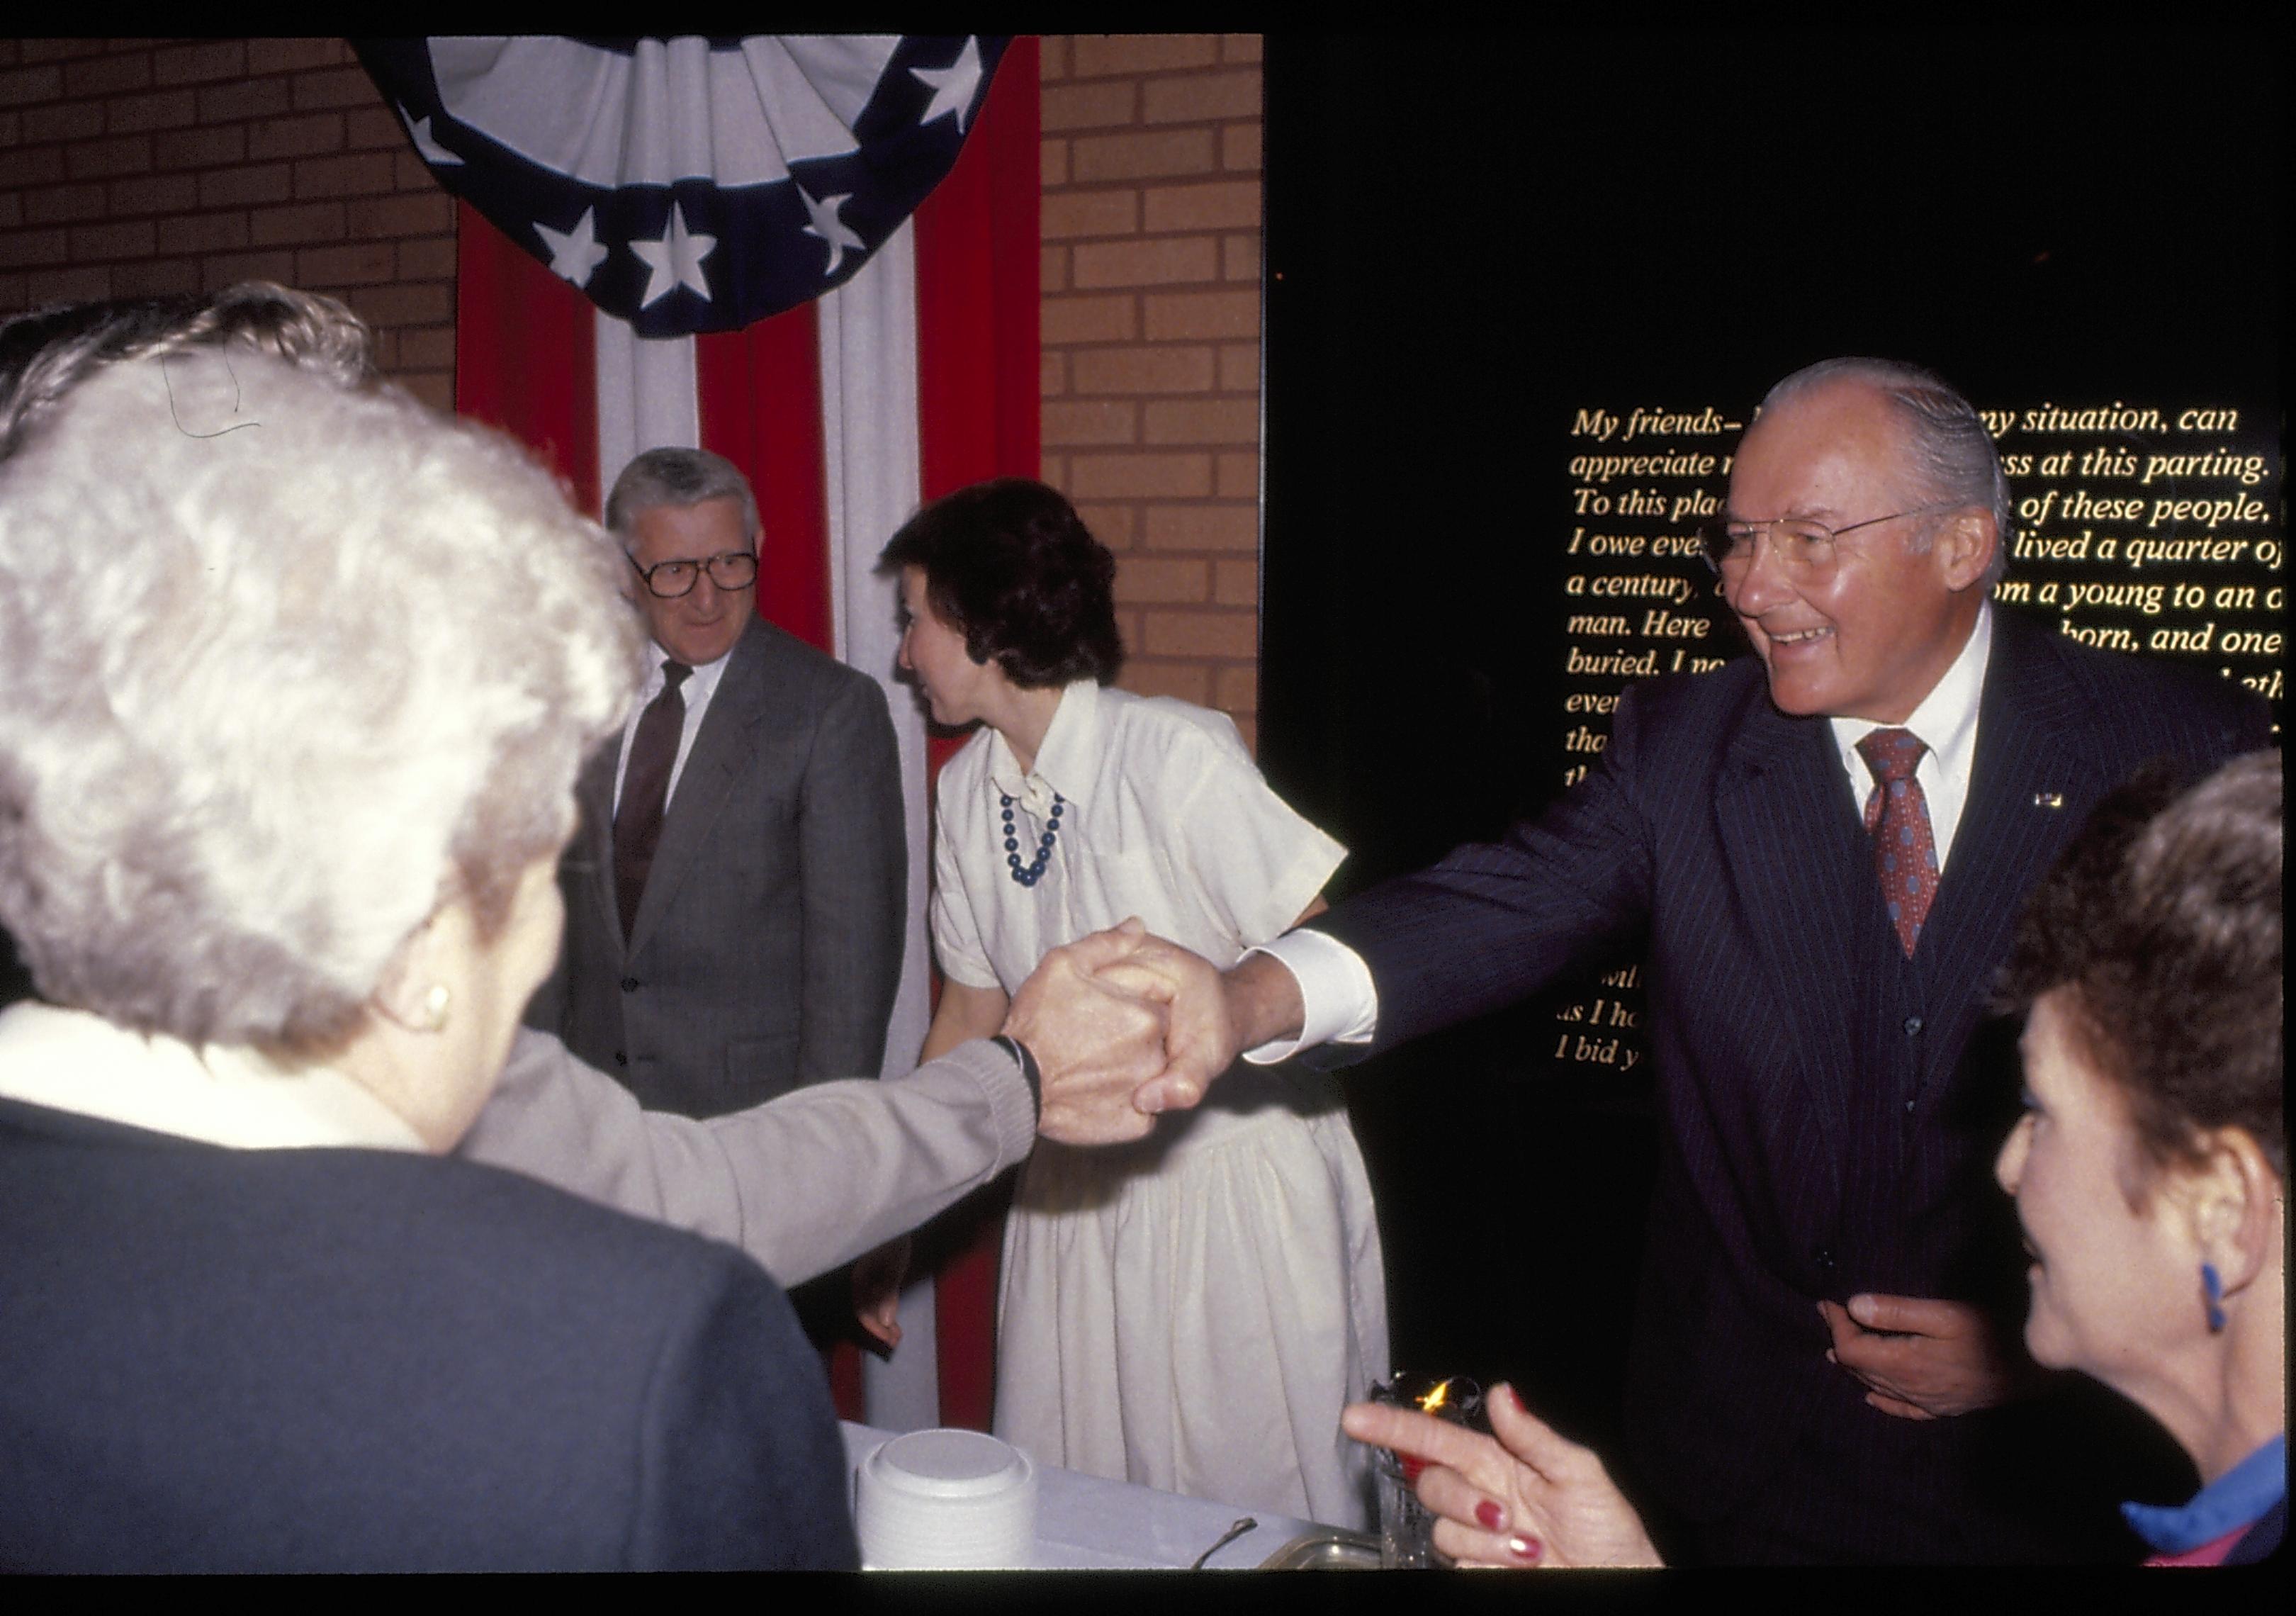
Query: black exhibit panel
[1522, 292]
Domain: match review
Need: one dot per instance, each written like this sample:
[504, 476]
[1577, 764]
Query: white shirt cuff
[1339, 1005]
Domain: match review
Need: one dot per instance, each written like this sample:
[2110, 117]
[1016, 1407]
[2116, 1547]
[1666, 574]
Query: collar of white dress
[1072, 747]
[70, 1061]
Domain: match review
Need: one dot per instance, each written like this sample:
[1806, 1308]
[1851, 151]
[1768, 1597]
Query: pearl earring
[435, 1003]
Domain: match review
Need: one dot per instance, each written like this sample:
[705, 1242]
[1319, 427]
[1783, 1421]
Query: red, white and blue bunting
[691, 185]
[904, 365]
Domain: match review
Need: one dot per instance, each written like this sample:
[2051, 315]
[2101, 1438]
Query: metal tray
[1326, 1551]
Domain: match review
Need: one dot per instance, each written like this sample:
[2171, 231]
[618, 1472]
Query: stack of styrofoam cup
[945, 1500]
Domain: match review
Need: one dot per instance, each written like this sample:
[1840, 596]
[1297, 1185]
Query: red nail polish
[1490, 1514]
[1525, 1549]
[1411, 1468]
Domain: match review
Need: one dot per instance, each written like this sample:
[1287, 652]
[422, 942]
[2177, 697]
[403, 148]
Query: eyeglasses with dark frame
[1804, 547]
[668, 580]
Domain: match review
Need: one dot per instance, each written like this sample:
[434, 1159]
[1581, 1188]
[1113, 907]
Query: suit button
[620, 1059]
[629, 984]
[1913, 1022]
[1824, 1255]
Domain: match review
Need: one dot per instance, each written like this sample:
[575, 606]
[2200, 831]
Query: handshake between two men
[1119, 1025]
[1143, 1026]
[1124, 1025]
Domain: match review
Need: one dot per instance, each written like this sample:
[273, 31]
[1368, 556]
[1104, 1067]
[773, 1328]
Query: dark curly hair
[2163, 920]
[1010, 565]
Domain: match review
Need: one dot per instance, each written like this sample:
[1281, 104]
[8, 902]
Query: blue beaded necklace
[1030, 875]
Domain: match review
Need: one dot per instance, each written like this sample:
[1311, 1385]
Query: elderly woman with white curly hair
[294, 679]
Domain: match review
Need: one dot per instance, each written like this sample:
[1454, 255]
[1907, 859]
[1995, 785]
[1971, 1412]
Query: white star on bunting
[829, 227]
[575, 254]
[675, 260]
[953, 86]
[430, 151]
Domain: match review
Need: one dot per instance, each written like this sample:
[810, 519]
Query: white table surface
[1090, 1524]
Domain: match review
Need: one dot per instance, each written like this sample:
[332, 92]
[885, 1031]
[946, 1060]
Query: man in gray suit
[736, 891]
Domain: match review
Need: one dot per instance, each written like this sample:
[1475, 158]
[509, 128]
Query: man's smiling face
[1872, 636]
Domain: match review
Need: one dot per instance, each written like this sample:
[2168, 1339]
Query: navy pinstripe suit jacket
[1830, 1109]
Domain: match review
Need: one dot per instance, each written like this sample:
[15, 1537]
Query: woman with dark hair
[1192, 1311]
[2149, 1171]
[2150, 1166]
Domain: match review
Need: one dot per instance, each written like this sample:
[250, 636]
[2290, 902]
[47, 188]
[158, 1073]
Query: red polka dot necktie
[1898, 819]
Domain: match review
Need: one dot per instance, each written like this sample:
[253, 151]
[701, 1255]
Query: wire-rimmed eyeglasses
[1803, 547]
[667, 580]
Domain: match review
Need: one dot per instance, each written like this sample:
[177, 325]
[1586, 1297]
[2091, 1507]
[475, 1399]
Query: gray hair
[283, 664]
[47, 353]
[1946, 444]
[678, 477]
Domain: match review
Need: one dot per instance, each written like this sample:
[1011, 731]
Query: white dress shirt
[1946, 723]
[1339, 1003]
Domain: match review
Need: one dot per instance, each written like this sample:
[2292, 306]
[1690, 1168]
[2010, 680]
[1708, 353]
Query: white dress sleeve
[1255, 862]
[964, 957]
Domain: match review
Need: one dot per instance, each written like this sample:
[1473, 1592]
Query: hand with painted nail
[1524, 1497]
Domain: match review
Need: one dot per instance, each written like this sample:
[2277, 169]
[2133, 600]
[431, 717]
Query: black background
[1470, 238]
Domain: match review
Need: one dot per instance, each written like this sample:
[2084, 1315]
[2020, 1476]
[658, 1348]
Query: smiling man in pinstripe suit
[1824, 1365]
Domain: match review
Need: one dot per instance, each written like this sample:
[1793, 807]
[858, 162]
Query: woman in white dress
[1191, 1312]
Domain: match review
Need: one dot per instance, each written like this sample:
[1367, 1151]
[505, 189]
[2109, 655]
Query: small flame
[1437, 1399]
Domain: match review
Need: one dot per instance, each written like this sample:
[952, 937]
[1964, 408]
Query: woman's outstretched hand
[1527, 1497]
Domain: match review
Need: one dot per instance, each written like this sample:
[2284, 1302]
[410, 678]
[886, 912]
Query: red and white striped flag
[913, 375]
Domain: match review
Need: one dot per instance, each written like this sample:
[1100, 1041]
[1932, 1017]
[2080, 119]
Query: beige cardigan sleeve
[803, 1183]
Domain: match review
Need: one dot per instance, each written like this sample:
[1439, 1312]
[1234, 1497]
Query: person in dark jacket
[2149, 1171]
[1819, 852]
[294, 678]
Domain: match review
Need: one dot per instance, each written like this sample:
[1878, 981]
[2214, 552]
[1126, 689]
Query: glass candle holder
[1407, 1527]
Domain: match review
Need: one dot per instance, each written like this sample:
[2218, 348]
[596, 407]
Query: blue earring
[2212, 1288]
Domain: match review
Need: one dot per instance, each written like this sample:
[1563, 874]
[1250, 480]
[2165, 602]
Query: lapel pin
[2048, 800]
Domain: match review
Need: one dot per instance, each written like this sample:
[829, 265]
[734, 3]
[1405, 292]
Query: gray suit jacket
[768, 948]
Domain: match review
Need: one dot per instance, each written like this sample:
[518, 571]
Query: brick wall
[134, 168]
[129, 167]
[1151, 341]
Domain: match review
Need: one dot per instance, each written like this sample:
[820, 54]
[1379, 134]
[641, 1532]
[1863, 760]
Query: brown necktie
[1897, 818]
[645, 791]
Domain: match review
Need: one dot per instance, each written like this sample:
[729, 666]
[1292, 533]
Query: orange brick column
[1152, 207]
